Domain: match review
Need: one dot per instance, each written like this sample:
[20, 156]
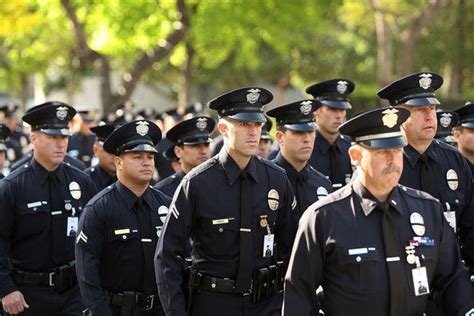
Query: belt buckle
[51, 275]
[149, 302]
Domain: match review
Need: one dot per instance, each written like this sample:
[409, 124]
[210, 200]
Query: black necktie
[148, 240]
[427, 180]
[336, 174]
[244, 275]
[57, 223]
[301, 192]
[396, 272]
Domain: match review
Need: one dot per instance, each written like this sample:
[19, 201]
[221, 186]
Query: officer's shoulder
[162, 195]
[318, 173]
[345, 139]
[166, 181]
[202, 168]
[417, 194]
[445, 146]
[102, 194]
[270, 164]
[334, 197]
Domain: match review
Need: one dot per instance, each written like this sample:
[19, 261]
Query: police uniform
[16, 141]
[113, 243]
[451, 179]
[4, 134]
[340, 244]
[37, 210]
[309, 185]
[446, 121]
[70, 161]
[189, 132]
[228, 246]
[466, 120]
[100, 177]
[332, 159]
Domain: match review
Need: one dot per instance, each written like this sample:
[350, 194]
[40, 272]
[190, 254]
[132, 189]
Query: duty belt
[133, 300]
[61, 278]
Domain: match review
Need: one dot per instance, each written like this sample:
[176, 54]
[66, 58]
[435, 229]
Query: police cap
[377, 128]
[333, 93]
[266, 128]
[446, 121]
[8, 110]
[466, 114]
[244, 104]
[297, 116]
[103, 131]
[192, 131]
[4, 134]
[417, 89]
[50, 118]
[136, 136]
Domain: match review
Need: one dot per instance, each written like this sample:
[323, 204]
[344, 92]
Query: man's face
[137, 167]
[465, 137]
[241, 138]
[264, 147]
[381, 168]
[192, 155]
[329, 119]
[296, 145]
[422, 123]
[106, 160]
[49, 149]
[2, 159]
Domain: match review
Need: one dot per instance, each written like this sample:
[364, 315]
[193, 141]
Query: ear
[178, 151]
[95, 149]
[118, 162]
[279, 136]
[356, 155]
[456, 133]
[222, 127]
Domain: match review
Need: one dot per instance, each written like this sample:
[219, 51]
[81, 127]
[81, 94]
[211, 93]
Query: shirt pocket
[123, 235]
[220, 236]
[362, 268]
[34, 218]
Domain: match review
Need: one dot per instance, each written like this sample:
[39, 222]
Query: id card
[451, 218]
[268, 245]
[71, 228]
[420, 281]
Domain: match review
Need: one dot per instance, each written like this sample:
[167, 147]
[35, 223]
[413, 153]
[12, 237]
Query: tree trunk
[454, 86]
[384, 47]
[184, 95]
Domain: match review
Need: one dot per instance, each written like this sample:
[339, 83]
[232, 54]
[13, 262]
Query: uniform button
[457, 201]
[221, 229]
[213, 285]
[358, 258]
[124, 237]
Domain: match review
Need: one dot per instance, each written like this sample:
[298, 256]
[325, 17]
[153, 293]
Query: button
[221, 229]
[124, 237]
[358, 258]
[457, 201]
[213, 285]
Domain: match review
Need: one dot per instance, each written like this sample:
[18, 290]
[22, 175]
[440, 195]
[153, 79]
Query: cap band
[377, 136]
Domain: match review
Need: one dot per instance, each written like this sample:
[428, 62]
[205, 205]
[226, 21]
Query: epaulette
[319, 173]
[21, 169]
[416, 193]
[345, 138]
[166, 181]
[202, 167]
[270, 164]
[335, 196]
[99, 195]
[443, 145]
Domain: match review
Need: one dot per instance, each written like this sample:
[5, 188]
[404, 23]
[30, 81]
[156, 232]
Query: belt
[61, 278]
[220, 285]
[136, 299]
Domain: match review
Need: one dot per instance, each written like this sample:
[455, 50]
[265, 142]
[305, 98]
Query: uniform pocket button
[358, 258]
[221, 229]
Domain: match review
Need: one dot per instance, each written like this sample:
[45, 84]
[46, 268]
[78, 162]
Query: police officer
[191, 139]
[120, 227]
[464, 133]
[447, 120]
[81, 143]
[14, 148]
[4, 134]
[295, 134]
[431, 165]
[232, 206]
[330, 148]
[374, 242]
[38, 205]
[103, 174]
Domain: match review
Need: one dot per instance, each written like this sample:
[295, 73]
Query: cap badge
[201, 123]
[305, 107]
[253, 95]
[142, 128]
[390, 117]
[452, 179]
[425, 81]
[341, 86]
[61, 112]
[445, 119]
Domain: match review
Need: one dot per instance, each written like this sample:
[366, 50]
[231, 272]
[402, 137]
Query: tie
[148, 243]
[301, 192]
[427, 181]
[336, 175]
[57, 222]
[396, 273]
[244, 275]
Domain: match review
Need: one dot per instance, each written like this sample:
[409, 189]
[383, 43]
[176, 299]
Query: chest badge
[75, 190]
[273, 199]
[321, 191]
[162, 212]
[417, 223]
[452, 179]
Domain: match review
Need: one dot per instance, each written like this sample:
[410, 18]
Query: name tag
[34, 204]
[221, 221]
[122, 231]
[357, 251]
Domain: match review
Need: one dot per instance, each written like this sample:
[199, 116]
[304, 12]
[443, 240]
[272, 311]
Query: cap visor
[266, 137]
[198, 141]
[469, 125]
[385, 143]
[302, 127]
[249, 117]
[343, 105]
[423, 101]
[56, 131]
[142, 148]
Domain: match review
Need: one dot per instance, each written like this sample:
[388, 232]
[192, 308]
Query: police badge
[425, 81]
[75, 190]
[273, 199]
[417, 223]
[142, 128]
[201, 123]
[452, 179]
[390, 117]
[253, 95]
[305, 107]
[445, 119]
[341, 86]
[61, 112]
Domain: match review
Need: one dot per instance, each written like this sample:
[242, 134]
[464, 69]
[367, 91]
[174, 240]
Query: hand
[14, 303]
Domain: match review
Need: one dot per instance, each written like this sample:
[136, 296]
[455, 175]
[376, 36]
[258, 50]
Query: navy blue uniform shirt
[26, 219]
[80, 147]
[339, 245]
[100, 177]
[170, 184]
[109, 253]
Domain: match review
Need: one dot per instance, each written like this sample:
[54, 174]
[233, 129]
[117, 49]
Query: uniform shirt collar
[291, 172]
[130, 198]
[369, 202]
[413, 156]
[323, 144]
[41, 174]
[232, 170]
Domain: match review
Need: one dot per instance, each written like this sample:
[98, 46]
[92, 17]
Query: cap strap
[378, 136]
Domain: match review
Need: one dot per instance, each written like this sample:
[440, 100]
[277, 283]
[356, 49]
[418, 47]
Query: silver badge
[201, 123]
[417, 223]
[75, 190]
[273, 199]
[61, 112]
[253, 95]
[162, 213]
[452, 179]
[425, 81]
[306, 107]
[321, 191]
[341, 86]
[445, 119]
[390, 117]
[142, 128]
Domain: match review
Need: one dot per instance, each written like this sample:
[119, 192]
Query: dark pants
[45, 301]
[207, 303]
